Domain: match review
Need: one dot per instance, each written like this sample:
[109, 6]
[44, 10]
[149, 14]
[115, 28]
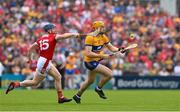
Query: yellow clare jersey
[71, 62]
[97, 43]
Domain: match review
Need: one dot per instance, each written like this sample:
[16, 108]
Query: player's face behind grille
[99, 25]
[53, 30]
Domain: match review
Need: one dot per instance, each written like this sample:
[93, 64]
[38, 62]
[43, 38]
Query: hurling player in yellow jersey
[93, 49]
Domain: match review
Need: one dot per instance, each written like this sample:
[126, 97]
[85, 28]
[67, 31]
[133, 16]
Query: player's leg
[36, 80]
[90, 79]
[107, 75]
[106, 72]
[57, 77]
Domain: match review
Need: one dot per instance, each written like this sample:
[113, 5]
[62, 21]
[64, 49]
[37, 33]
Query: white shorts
[43, 66]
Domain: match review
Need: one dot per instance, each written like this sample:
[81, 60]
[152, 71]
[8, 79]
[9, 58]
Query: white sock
[98, 88]
[78, 96]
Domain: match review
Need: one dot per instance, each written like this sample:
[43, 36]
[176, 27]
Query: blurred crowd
[157, 34]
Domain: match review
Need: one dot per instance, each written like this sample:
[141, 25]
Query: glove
[122, 50]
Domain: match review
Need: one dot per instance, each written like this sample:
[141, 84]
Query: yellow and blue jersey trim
[96, 48]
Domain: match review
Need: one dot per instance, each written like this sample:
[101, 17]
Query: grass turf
[118, 100]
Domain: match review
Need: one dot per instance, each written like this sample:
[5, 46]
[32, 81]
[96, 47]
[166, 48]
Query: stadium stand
[156, 32]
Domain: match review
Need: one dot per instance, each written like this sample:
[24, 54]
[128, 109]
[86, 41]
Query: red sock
[60, 95]
[16, 84]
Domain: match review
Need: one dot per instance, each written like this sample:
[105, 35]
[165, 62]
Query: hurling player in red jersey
[46, 45]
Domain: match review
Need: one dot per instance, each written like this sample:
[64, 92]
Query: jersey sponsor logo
[99, 47]
[94, 64]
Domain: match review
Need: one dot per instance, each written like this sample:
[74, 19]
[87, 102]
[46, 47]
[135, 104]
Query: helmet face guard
[97, 24]
[48, 27]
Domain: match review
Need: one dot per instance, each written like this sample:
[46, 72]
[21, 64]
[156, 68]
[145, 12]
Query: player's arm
[112, 48]
[115, 49]
[32, 49]
[66, 35]
[90, 54]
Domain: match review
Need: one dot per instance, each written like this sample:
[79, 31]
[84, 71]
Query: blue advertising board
[146, 82]
[5, 79]
[117, 82]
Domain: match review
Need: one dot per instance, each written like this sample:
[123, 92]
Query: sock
[17, 84]
[98, 88]
[79, 96]
[60, 95]
[79, 93]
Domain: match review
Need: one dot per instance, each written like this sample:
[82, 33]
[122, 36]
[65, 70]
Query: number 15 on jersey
[44, 45]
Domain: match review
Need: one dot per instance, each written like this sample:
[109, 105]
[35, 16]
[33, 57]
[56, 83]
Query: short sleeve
[89, 41]
[106, 39]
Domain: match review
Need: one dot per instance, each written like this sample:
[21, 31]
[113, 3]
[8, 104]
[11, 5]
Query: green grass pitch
[118, 100]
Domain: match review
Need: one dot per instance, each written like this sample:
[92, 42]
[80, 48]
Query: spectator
[1, 69]
[163, 72]
[156, 32]
[70, 70]
[177, 69]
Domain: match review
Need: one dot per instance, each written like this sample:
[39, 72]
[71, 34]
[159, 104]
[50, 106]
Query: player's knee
[58, 78]
[109, 76]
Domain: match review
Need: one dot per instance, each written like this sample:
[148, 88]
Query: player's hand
[122, 50]
[77, 35]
